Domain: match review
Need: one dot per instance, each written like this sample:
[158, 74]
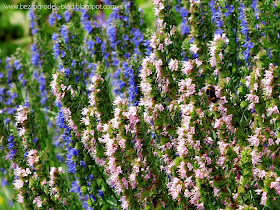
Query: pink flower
[146, 88]
[26, 172]
[186, 109]
[209, 140]
[157, 1]
[160, 47]
[212, 50]
[213, 61]
[216, 191]
[218, 123]
[221, 161]
[194, 49]
[20, 198]
[268, 90]
[198, 62]
[125, 183]
[21, 132]
[255, 86]
[190, 167]
[254, 141]
[18, 184]
[272, 110]
[174, 187]
[32, 157]
[182, 170]
[84, 111]
[258, 191]
[38, 201]
[187, 67]
[199, 174]
[173, 65]
[153, 45]
[167, 41]
[122, 143]
[264, 198]
[255, 157]
[63, 87]
[44, 182]
[223, 37]
[221, 56]
[125, 203]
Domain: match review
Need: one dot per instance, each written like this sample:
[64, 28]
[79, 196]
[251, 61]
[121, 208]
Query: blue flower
[90, 44]
[54, 36]
[90, 177]
[58, 16]
[67, 71]
[111, 32]
[62, 54]
[51, 19]
[98, 40]
[73, 63]
[67, 16]
[75, 187]
[121, 84]
[71, 167]
[32, 15]
[125, 37]
[82, 163]
[12, 154]
[138, 37]
[10, 139]
[4, 182]
[56, 50]
[42, 82]
[32, 24]
[35, 56]
[85, 22]
[64, 33]
[219, 31]
[11, 145]
[60, 119]
[101, 194]
[184, 12]
[185, 28]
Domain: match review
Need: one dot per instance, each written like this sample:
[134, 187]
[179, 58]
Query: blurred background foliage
[14, 23]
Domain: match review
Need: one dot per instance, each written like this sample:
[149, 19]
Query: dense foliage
[105, 114]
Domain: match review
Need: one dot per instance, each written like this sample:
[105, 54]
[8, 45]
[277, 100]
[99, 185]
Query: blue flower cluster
[130, 75]
[11, 145]
[85, 21]
[33, 22]
[184, 14]
[244, 30]
[53, 17]
[216, 17]
[76, 188]
[35, 56]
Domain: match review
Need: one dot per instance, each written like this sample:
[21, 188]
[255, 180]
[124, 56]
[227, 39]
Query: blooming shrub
[105, 114]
